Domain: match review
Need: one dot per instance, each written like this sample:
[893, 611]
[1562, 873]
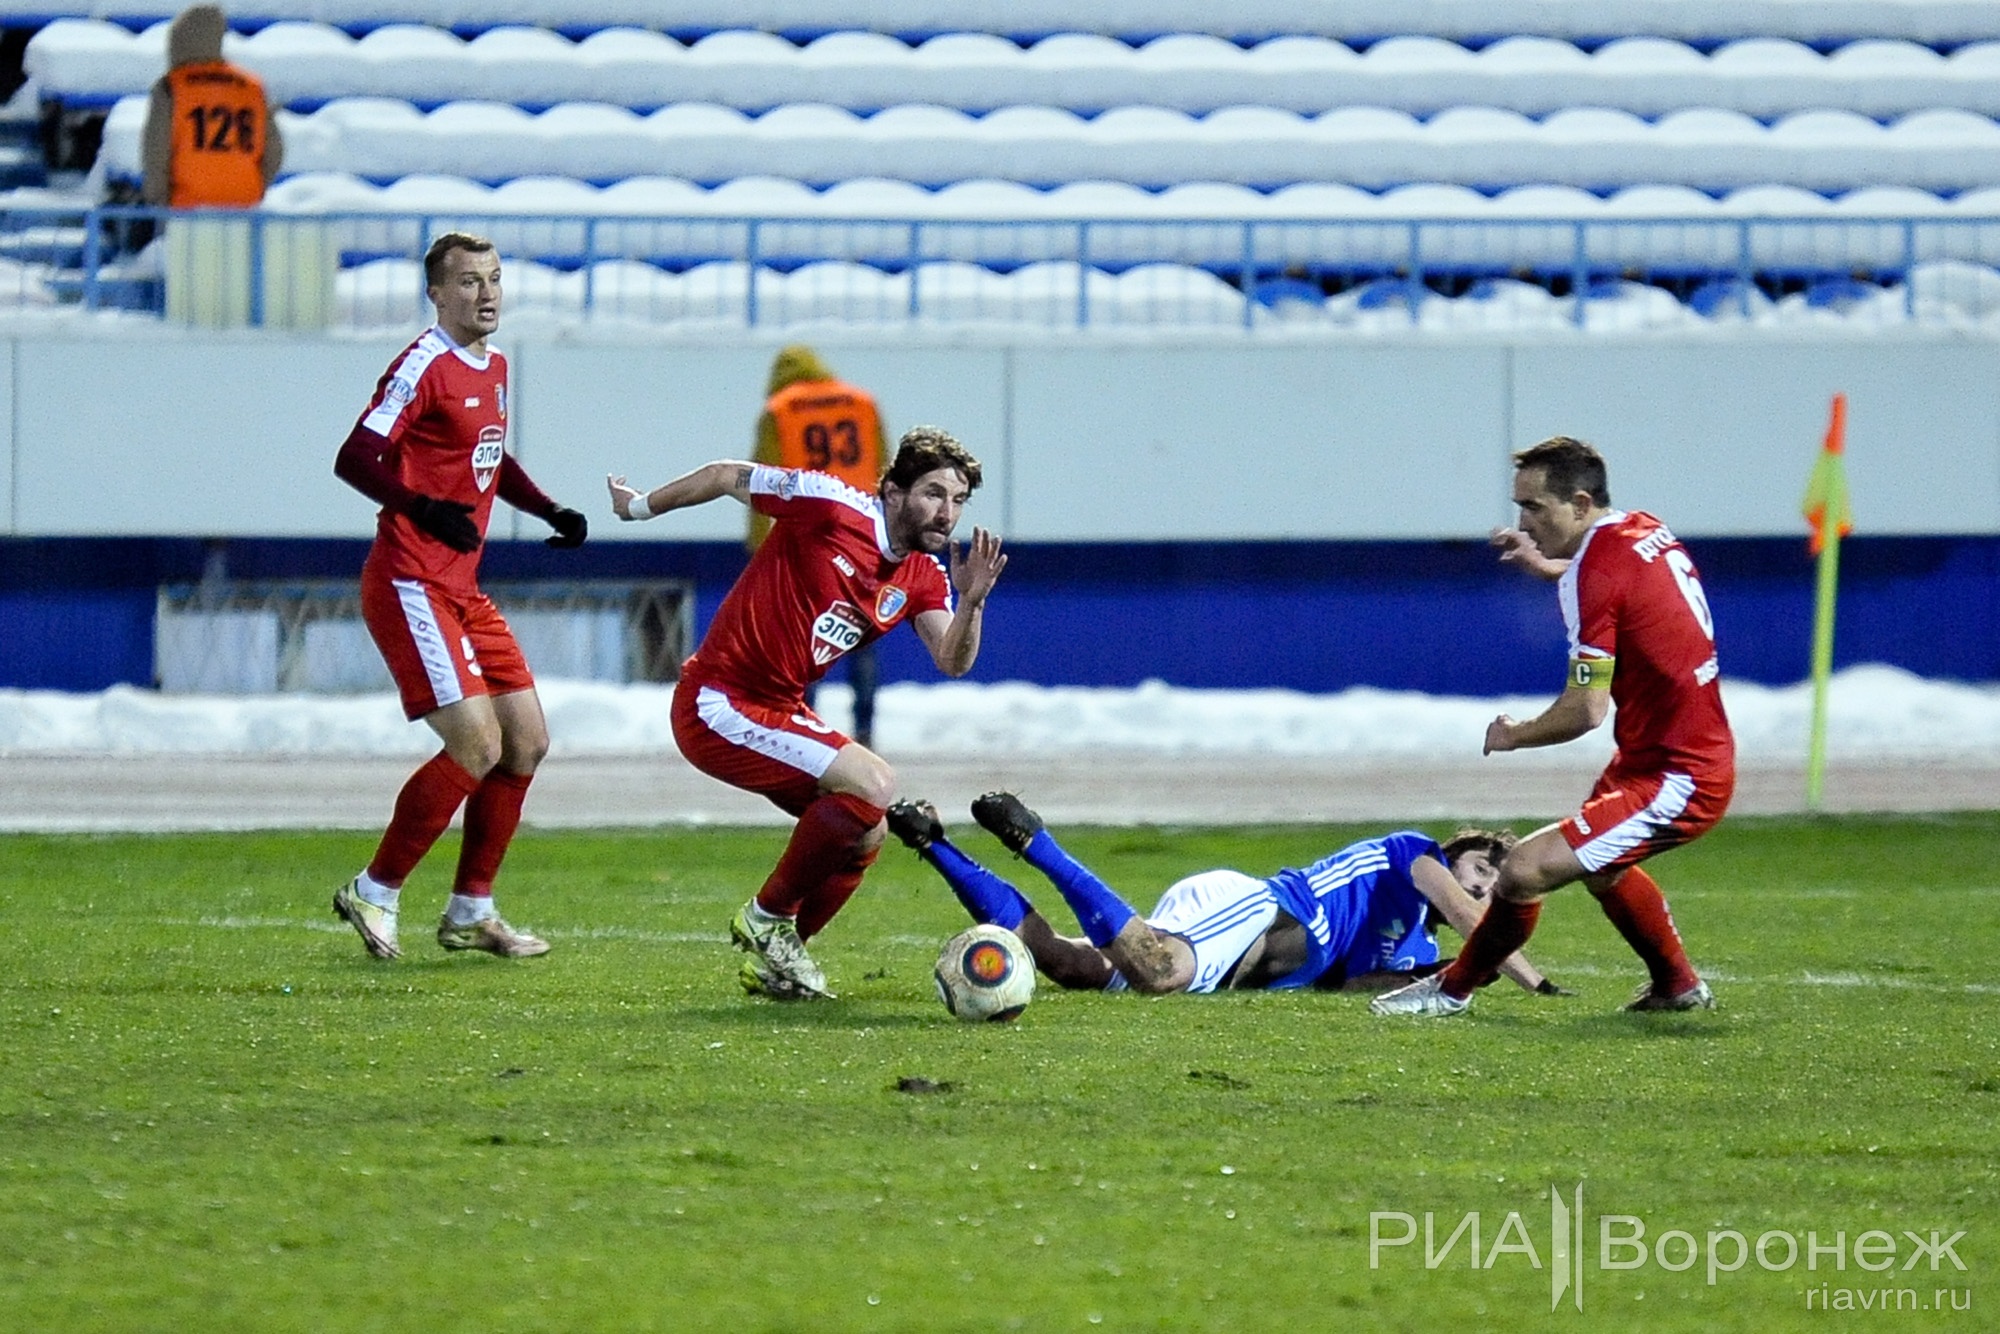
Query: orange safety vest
[829, 426]
[220, 122]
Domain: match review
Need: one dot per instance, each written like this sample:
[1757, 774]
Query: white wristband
[638, 508]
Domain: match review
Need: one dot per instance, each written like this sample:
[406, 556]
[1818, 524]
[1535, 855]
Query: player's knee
[1602, 882]
[477, 752]
[1533, 869]
[1519, 885]
[877, 784]
[523, 751]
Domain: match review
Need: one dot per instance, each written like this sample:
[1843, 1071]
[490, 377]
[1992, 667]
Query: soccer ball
[985, 973]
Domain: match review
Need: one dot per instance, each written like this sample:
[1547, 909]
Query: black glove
[1548, 988]
[447, 520]
[571, 527]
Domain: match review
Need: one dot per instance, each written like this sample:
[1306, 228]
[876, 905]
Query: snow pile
[1874, 712]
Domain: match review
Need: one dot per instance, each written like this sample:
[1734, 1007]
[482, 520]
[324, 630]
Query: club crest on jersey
[838, 630]
[889, 603]
[398, 391]
[487, 453]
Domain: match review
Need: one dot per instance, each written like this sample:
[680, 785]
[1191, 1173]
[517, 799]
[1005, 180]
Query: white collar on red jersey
[461, 352]
[882, 530]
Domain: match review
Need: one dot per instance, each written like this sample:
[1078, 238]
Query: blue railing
[360, 270]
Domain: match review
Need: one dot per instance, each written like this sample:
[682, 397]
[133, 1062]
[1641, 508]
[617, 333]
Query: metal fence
[259, 636]
[357, 271]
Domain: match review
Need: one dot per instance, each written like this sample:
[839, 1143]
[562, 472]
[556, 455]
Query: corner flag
[1826, 494]
[1826, 509]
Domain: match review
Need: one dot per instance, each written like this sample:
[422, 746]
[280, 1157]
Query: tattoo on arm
[743, 478]
[1148, 961]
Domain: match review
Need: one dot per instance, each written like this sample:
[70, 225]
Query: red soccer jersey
[1632, 594]
[822, 585]
[444, 413]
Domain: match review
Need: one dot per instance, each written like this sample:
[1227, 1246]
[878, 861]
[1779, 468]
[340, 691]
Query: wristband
[638, 508]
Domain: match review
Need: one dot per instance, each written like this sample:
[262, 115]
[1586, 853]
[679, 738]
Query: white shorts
[1221, 914]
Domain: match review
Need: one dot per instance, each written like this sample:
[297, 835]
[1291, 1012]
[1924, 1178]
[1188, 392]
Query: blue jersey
[1361, 911]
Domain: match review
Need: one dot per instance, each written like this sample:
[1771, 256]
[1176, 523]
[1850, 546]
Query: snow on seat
[304, 64]
[1005, 228]
[1176, 295]
[1930, 21]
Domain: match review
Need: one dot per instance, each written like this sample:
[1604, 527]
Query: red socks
[1639, 911]
[491, 817]
[834, 892]
[424, 807]
[822, 850]
[1504, 929]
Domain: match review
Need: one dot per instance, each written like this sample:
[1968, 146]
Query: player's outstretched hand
[449, 521]
[571, 528]
[1519, 550]
[1499, 735]
[975, 570]
[622, 496]
[1547, 987]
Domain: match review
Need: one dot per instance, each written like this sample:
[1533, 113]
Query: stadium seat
[1940, 22]
[89, 62]
[1374, 148]
[1141, 164]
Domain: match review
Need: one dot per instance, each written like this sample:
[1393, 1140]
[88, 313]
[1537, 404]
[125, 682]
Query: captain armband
[1591, 673]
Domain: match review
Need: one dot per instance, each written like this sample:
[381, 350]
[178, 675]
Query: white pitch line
[1807, 979]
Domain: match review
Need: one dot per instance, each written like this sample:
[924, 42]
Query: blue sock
[1097, 906]
[985, 895]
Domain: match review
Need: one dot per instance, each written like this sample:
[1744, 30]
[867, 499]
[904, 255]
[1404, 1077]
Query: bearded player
[431, 450]
[840, 569]
[1640, 638]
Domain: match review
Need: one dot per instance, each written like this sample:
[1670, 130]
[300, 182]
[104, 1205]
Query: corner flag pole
[1826, 509]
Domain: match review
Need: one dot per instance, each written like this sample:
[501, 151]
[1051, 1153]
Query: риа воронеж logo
[1624, 1242]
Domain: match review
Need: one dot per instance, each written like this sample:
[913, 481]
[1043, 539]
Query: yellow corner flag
[1827, 511]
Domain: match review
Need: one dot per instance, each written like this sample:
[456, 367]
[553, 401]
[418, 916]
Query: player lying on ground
[1358, 919]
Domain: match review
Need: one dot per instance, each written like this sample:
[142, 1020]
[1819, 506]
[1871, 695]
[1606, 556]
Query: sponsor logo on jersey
[1582, 825]
[889, 603]
[472, 402]
[787, 487]
[838, 630]
[1708, 671]
[844, 565]
[486, 455]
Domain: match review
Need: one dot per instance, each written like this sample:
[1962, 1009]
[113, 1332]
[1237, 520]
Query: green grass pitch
[217, 1114]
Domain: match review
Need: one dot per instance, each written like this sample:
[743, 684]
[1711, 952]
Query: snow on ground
[1875, 712]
